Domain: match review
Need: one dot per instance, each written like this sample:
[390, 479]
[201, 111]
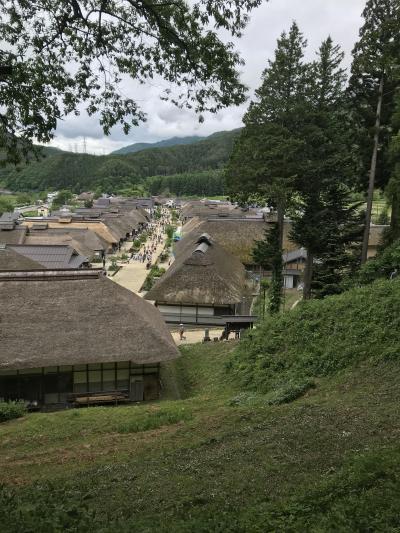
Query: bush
[320, 338]
[381, 266]
[169, 231]
[113, 267]
[290, 392]
[155, 272]
[11, 410]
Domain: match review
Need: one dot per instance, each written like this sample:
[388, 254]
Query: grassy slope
[330, 461]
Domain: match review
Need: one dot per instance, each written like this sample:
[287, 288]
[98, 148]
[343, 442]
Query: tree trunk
[395, 218]
[372, 173]
[281, 222]
[277, 264]
[308, 274]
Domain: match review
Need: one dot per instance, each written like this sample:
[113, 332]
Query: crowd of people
[155, 231]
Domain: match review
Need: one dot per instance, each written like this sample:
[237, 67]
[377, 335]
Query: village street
[133, 274]
[195, 335]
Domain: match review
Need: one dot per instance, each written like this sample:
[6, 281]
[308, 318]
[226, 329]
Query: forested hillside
[137, 147]
[79, 172]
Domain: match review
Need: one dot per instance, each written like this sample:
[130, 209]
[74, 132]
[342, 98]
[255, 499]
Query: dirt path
[132, 275]
[197, 335]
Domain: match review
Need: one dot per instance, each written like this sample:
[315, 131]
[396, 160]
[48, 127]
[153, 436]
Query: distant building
[43, 210]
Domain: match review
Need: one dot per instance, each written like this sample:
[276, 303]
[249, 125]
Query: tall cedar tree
[59, 55]
[374, 78]
[341, 229]
[267, 154]
[393, 188]
[327, 160]
[268, 254]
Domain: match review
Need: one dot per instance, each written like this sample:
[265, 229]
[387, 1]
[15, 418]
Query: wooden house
[204, 282]
[73, 334]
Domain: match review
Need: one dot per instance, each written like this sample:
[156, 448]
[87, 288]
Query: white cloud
[317, 19]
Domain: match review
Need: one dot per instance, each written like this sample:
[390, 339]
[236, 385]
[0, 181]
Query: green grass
[318, 454]
[320, 338]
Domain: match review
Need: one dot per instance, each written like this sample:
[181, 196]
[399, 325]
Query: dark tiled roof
[51, 256]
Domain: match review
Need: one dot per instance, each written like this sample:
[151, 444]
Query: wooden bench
[98, 398]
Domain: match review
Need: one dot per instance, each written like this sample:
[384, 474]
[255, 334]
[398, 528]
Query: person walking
[182, 332]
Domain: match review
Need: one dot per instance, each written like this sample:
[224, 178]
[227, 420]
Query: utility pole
[372, 174]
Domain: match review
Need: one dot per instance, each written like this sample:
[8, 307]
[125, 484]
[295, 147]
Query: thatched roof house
[98, 227]
[90, 333]
[84, 241]
[237, 236]
[204, 279]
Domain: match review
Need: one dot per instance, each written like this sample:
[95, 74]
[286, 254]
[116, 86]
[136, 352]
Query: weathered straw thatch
[237, 236]
[77, 317]
[85, 241]
[204, 274]
[14, 236]
[98, 227]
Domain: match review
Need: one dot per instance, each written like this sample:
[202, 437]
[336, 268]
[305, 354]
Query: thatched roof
[237, 236]
[98, 227]
[84, 241]
[14, 236]
[75, 317]
[203, 274]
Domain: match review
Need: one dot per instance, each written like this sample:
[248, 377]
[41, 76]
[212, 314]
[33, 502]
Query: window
[80, 381]
[109, 379]
[94, 380]
[123, 378]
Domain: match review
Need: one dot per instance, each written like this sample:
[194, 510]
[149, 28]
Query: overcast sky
[317, 19]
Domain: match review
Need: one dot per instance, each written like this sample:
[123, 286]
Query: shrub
[113, 267]
[320, 338]
[290, 392]
[386, 262]
[11, 410]
[170, 231]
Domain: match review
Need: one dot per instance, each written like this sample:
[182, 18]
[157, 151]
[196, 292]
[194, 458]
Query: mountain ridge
[172, 141]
